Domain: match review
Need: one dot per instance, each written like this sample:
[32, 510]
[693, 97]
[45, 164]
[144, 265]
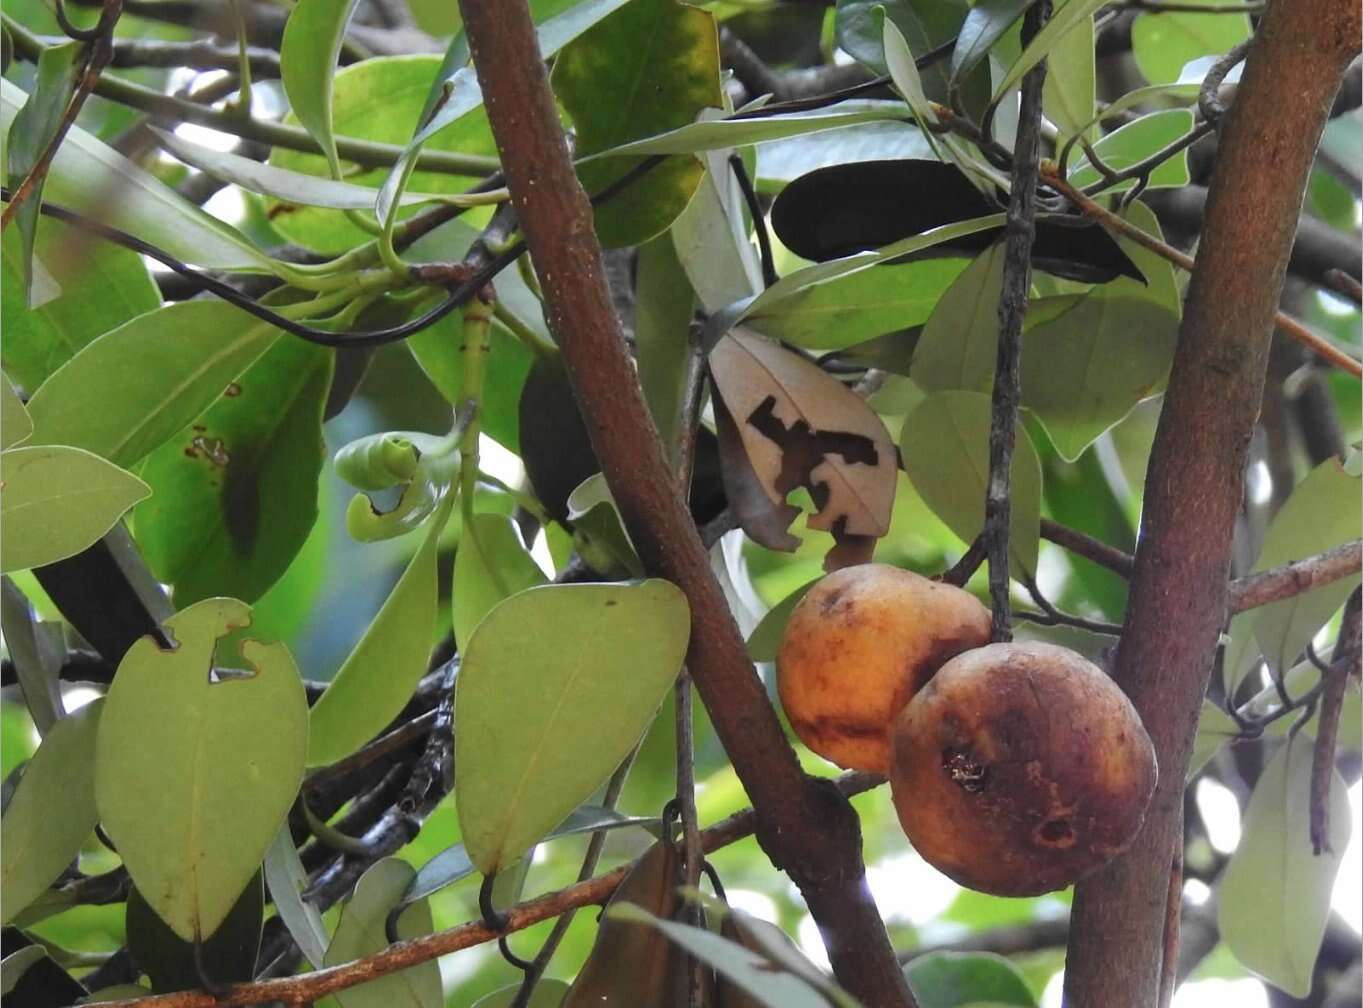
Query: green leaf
[361, 933]
[455, 91]
[378, 99]
[286, 877]
[52, 812]
[1065, 18]
[381, 672]
[1322, 512]
[452, 864]
[1275, 892]
[548, 994]
[782, 161]
[92, 178]
[711, 237]
[1067, 92]
[986, 23]
[32, 130]
[135, 388]
[663, 307]
[793, 283]
[945, 445]
[959, 344]
[37, 650]
[533, 742]
[765, 639]
[57, 501]
[1084, 371]
[750, 971]
[281, 183]
[234, 494]
[173, 964]
[924, 25]
[1136, 141]
[15, 423]
[599, 531]
[1162, 43]
[720, 134]
[842, 312]
[16, 964]
[650, 67]
[958, 979]
[492, 564]
[1161, 284]
[1214, 729]
[100, 287]
[307, 57]
[193, 778]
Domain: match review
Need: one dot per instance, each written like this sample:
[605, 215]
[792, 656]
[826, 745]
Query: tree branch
[807, 829]
[312, 986]
[1012, 308]
[1294, 578]
[1195, 478]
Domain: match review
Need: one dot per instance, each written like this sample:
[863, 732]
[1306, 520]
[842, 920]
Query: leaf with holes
[135, 388]
[193, 777]
[57, 501]
[544, 719]
[650, 67]
[52, 812]
[945, 445]
[1275, 893]
[799, 427]
[234, 494]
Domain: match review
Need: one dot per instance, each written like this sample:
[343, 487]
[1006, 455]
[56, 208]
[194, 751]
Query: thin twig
[1285, 323]
[1115, 560]
[96, 55]
[311, 986]
[1012, 307]
[1344, 665]
[1296, 577]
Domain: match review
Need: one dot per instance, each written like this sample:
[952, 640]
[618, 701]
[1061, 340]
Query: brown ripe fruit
[861, 643]
[1020, 768]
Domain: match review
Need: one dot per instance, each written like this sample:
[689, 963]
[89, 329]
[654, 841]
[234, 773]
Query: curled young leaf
[784, 423]
[379, 461]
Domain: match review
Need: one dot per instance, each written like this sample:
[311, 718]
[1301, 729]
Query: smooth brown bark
[806, 827]
[1194, 484]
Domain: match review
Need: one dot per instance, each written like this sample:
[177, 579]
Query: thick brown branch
[806, 829]
[1195, 479]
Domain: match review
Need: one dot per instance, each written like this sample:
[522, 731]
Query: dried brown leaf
[799, 427]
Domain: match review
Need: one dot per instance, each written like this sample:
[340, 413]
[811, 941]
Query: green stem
[533, 341]
[477, 343]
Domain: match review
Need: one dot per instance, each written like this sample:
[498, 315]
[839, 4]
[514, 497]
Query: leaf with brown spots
[784, 423]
